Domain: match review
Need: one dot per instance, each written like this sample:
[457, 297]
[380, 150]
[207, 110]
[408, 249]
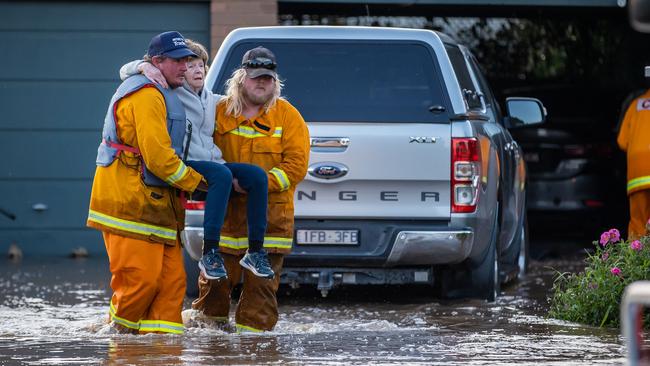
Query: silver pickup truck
[413, 176]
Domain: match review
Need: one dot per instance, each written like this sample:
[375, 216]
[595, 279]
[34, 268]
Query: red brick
[227, 15]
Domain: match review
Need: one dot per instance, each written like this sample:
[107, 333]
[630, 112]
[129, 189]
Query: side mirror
[639, 14]
[524, 112]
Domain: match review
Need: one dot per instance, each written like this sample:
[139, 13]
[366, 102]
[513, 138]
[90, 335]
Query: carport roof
[592, 3]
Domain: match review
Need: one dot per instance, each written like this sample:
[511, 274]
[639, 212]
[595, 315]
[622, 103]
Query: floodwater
[53, 312]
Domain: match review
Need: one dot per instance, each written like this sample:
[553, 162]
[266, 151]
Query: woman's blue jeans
[253, 179]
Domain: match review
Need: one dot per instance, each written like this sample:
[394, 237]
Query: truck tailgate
[392, 170]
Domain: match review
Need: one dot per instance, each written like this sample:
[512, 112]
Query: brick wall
[226, 15]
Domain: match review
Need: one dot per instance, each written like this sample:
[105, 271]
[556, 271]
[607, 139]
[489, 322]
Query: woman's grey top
[200, 112]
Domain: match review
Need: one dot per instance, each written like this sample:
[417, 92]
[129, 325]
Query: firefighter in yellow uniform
[634, 139]
[139, 214]
[256, 126]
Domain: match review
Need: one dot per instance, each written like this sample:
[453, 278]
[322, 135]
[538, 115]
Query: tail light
[594, 203]
[194, 205]
[465, 174]
[575, 150]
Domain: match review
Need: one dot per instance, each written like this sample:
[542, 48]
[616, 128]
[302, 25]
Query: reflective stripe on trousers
[147, 325]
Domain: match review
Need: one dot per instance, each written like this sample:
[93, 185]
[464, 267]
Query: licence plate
[338, 237]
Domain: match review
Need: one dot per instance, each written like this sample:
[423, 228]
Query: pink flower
[605, 256]
[604, 238]
[614, 235]
[636, 245]
[610, 236]
[616, 271]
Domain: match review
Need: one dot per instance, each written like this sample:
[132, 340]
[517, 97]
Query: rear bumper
[430, 247]
[409, 247]
[383, 244]
[386, 243]
[192, 239]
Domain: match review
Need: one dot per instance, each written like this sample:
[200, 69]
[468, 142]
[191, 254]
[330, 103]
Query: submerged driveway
[53, 312]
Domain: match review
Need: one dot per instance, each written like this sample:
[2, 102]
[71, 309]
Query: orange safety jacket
[120, 202]
[278, 142]
[634, 139]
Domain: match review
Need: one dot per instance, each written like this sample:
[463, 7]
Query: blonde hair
[235, 93]
[199, 50]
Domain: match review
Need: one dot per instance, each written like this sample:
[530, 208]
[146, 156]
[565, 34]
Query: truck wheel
[485, 277]
[474, 281]
[518, 253]
[192, 275]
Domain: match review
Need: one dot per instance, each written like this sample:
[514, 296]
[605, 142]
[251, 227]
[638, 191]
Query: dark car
[576, 173]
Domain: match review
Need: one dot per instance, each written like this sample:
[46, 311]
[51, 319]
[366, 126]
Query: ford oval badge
[328, 170]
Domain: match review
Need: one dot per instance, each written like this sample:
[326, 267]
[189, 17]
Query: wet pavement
[53, 312]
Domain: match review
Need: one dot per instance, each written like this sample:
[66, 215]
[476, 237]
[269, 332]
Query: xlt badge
[327, 170]
[423, 139]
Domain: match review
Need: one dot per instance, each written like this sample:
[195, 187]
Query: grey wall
[58, 68]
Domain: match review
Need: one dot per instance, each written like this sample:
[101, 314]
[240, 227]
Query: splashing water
[54, 312]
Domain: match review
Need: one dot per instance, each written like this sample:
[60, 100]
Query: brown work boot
[197, 319]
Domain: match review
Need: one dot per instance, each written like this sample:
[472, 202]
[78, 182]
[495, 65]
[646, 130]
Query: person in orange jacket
[634, 139]
[140, 217]
[255, 125]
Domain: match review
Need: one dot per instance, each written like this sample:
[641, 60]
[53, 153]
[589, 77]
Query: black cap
[259, 61]
[169, 44]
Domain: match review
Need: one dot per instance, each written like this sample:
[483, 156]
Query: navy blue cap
[169, 44]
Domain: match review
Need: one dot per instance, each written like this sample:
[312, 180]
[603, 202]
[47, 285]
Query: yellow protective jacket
[278, 142]
[120, 202]
[634, 139]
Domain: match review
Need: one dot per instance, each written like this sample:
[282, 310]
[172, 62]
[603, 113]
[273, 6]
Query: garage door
[59, 68]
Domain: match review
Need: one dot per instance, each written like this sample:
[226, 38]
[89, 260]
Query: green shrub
[594, 296]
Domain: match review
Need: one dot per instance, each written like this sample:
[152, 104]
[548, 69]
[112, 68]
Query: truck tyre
[191, 275]
[485, 277]
[475, 281]
[518, 253]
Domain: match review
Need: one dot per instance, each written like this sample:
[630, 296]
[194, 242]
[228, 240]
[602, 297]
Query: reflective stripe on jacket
[634, 139]
[277, 141]
[120, 202]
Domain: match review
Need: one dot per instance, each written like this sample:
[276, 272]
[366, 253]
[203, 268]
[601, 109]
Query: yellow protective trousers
[148, 282]
[639, 213]
[257, 309]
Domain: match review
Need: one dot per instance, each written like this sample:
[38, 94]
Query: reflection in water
[55, 314]
[145, 350]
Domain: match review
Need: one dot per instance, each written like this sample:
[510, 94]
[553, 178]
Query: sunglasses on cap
[259, 63]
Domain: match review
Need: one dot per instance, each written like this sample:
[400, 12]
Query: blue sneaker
[211, 265]
[258, 263]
